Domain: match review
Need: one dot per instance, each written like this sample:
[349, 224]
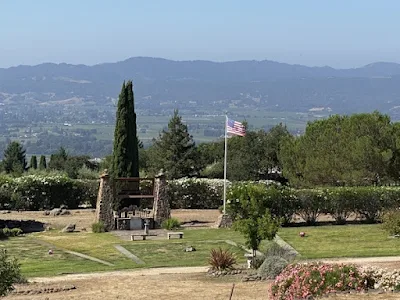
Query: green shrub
[221, 259]
[369, 203]
[272, 267]
[16, 232]
[36, 192]
[4, 179]
[276, 250]
[5, 196]
[86, 173]
[196, 193]
[98, 227]
[170, 224]
[341, 203]
[88, 190]
[42, 192]
[391, 222]
[286, 205]
[9, 273]
[311, 204]
[7, 232]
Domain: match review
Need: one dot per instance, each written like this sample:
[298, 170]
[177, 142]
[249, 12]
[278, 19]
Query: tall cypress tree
[33, 164]
[125, 153]
[42, 163]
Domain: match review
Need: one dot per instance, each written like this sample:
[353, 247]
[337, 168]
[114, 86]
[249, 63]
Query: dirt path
[387, 260]
[122, 273]
[363, 260]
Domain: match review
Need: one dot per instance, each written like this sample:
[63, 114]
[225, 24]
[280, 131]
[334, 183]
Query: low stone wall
[26, 226]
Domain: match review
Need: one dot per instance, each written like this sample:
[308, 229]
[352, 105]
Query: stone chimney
[161, 208]
[105, 201]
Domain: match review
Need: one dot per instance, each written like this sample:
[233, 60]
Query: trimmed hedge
[37, 192]
[196, 193]
[340, 202]
[200, 193]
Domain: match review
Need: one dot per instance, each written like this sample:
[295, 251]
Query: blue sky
[340, 33]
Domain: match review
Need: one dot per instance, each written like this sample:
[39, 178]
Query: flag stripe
[235, 127]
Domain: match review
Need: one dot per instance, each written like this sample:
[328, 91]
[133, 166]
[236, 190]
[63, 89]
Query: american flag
[235, 127]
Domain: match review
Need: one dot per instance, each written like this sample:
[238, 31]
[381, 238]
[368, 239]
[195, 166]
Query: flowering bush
[198, 193]
[35, 192]
[383, 279]
[300, 281]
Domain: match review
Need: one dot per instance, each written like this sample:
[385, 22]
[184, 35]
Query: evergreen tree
[33, 164]
[42, 163]
[58, 159]
[174, 150]
[126, 153]
[14, 158]
[342, 150]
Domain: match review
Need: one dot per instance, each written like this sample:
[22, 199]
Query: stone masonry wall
[105, 200]
[161, 208]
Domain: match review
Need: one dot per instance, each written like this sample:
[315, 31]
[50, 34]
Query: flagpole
[225, 160]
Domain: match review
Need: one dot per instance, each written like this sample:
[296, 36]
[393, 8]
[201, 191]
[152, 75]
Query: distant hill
[206, 85]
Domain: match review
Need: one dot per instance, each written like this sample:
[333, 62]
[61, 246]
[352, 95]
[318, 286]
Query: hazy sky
[339, 33]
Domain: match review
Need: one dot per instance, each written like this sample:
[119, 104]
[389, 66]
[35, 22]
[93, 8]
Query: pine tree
[125, 153]
[14, 158]
[42, 163]
[33, 164]
[175, 150]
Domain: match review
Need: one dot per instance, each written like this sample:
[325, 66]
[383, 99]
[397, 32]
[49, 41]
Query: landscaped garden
[32, 251]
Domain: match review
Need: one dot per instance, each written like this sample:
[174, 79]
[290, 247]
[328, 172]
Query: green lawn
[35, 260]
[341, 241]
[169, 253]
[32, 251]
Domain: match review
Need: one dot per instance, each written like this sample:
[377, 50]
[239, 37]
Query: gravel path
[362, 260]
[129, 254]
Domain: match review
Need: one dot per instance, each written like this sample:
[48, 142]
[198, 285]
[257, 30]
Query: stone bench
[141, 235]
[179, 234]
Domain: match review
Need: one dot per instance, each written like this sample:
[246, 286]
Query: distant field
[149, 127]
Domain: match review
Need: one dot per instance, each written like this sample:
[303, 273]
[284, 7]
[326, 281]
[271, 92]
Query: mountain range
[204, 85]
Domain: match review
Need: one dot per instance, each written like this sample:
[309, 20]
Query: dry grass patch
[166, 286]
[83, 218]
[208, 216]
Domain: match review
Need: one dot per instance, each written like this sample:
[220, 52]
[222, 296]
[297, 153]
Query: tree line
[360, 149]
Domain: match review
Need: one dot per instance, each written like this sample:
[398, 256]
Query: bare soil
[83, 218]
[199, 217]
[131, 285]
[164, 286]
